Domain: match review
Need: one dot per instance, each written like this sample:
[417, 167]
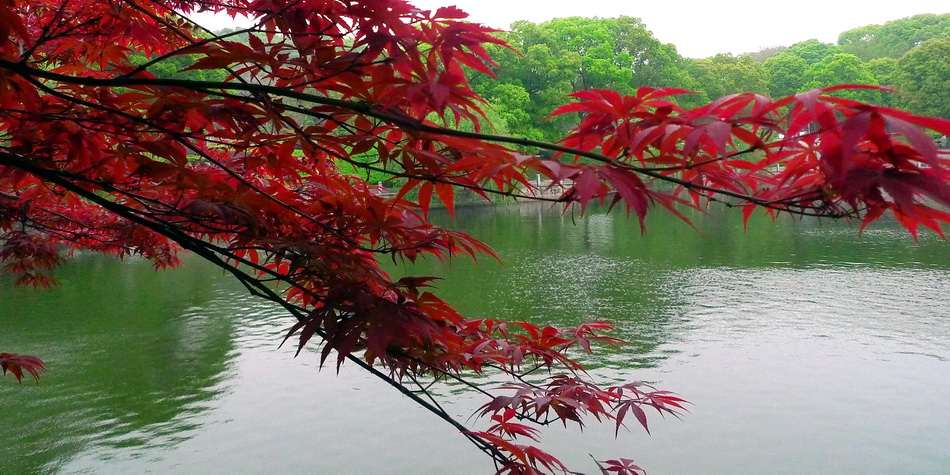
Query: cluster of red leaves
[621, 467]
[567, 398]
[811, 154]
[18, 364]
[29, 257]
[96, 153]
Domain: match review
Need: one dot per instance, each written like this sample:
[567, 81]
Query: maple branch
[45, 38]
[704, 162]
[211, 253]
[158, 225]
[370, 111]
[144, 66]
[367, 166]
[191, 147]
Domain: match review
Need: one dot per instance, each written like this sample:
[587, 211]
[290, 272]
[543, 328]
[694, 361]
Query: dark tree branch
[211, 254]
[396, 119]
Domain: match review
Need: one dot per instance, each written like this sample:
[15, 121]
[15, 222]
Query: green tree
[567, 55]
[763, 54]
[843, 68]
[812, 51]
[885, 71]
[786, 74]
[924, 77]
[894, 38]
[788, 68]
[508, 108]
[530, 82]
[617, 53]
[726, 74]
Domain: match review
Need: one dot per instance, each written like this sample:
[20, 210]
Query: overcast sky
[701, 28]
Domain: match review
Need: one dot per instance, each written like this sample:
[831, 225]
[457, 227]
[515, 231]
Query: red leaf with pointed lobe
[19, 364]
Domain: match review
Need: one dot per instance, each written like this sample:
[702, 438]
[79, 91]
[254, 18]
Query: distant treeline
[566, 55]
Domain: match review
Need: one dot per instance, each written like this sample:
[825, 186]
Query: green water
[802, 347]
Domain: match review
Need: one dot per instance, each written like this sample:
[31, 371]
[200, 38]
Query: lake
[802, 348]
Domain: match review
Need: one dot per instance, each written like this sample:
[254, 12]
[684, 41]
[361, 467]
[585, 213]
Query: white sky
[701, 28]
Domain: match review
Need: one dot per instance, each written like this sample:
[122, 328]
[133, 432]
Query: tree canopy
[843, 68]
[786, 74]
[812, 51]
[894, 38]
[566, 55]
[725, 74]
[885, 72]
[923, 77]
[791, 70]
[102, 152]
[917, 80]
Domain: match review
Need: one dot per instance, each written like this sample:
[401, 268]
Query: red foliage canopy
[97, 153]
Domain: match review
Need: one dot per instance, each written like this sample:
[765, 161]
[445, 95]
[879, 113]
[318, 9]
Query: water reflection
[131, 354]
[825, 369]
[802, 345]
[560, 269]
[880, 308]
[803, 348]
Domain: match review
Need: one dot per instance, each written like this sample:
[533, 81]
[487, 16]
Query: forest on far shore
[565, 55]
